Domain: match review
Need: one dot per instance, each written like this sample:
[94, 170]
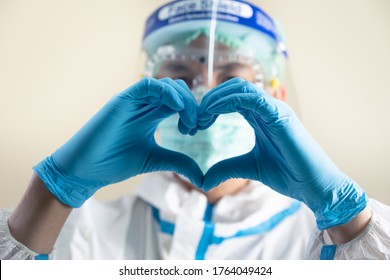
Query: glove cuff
[346, 203]
[68, 191]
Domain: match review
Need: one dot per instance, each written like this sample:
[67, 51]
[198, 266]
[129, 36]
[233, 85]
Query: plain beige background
[60, 61]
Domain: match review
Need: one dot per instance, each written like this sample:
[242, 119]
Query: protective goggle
[201, 70]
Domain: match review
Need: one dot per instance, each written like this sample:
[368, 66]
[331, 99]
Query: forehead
[204, 42]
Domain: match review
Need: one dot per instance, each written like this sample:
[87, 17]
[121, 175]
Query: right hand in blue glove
[285, 157]
[118, 142]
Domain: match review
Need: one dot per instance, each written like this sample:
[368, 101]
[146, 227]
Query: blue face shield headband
[189, 15]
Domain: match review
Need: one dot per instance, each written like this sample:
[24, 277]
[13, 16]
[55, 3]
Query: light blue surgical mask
[229, 136]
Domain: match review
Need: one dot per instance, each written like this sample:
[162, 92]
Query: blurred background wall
[60, 61]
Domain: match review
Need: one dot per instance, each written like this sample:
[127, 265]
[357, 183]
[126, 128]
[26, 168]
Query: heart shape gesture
[118, 143]
[285, 157]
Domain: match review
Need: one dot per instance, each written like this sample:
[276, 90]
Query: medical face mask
[229, 136]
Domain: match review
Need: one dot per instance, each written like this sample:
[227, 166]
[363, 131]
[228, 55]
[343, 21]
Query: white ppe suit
[163, 220]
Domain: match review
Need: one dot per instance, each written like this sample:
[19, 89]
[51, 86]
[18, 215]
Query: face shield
[206, 43]
[198, 40]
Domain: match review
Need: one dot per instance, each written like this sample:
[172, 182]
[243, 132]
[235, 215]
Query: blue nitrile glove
[118, 142]
[285, 156]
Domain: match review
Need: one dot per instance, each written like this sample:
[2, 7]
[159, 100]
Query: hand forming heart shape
[285, 156]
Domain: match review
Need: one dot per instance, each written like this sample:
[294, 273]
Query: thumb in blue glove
[285, 156]
[118, 142]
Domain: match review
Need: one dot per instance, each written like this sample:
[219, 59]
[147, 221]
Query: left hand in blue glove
[118, 142]
[285, 156]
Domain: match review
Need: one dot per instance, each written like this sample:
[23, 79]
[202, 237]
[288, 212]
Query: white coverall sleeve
[10, 249]
[372, 244]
